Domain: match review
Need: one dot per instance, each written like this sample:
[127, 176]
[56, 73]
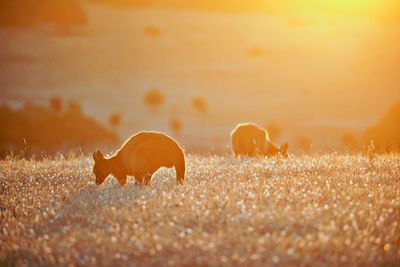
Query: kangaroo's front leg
[147, 179]
[122, 180]
[138, 180]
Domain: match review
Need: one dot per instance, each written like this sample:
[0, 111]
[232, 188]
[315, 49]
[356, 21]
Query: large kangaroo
[141, 156]
[248, 139]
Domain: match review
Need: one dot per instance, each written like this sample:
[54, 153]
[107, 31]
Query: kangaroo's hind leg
[147, 179]
[138, 180]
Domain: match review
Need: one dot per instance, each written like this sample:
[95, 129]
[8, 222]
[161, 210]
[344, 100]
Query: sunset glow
[200, 133]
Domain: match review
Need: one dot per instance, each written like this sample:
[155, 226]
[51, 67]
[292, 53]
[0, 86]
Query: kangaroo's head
[283, 150]
[100, 167]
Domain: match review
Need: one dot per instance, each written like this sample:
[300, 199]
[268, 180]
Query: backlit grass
[327, 210]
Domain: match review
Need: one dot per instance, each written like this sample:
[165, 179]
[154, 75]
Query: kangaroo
[249, 139]
[141, 156]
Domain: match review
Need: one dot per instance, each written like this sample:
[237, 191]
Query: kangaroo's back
[248, 139]
[151, 150]
[137, 139]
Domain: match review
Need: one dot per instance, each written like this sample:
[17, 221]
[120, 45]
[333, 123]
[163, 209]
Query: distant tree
[154, 98]
[349, 141]
[303, 143]
[386, 133]
[152, 31]
[255, 52]
[115, 119]
[199, 104]
[55, 104]
[175, 125]
[273, 131]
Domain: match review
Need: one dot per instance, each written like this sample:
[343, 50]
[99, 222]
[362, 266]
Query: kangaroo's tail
[180, 167]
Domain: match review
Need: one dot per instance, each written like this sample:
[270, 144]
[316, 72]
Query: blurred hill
[34, 129]
[386, 133]
[27, 13]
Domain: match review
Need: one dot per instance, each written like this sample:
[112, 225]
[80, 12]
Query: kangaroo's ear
[98, 155]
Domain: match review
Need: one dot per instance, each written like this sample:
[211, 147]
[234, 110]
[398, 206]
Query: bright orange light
[366, 8]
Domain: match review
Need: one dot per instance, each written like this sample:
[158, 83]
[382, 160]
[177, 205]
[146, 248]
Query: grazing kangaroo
[248, 139]
[141, 156]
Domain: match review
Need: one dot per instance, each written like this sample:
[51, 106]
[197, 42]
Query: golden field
[322, 210]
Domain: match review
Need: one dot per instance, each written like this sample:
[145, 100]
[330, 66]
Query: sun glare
[369, 8]
[199, 133]
[353, 6]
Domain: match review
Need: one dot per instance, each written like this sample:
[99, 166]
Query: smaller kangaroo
[141, 156]
[249, 139]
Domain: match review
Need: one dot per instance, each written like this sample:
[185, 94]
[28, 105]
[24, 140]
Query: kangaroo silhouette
[249, 139]
[141, 156]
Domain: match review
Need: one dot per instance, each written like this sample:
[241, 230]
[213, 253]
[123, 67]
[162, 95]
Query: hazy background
[316, 69]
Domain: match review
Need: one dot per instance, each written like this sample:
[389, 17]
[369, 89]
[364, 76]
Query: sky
[315, 68]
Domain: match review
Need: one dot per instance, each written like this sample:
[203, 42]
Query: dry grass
[321, 211]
